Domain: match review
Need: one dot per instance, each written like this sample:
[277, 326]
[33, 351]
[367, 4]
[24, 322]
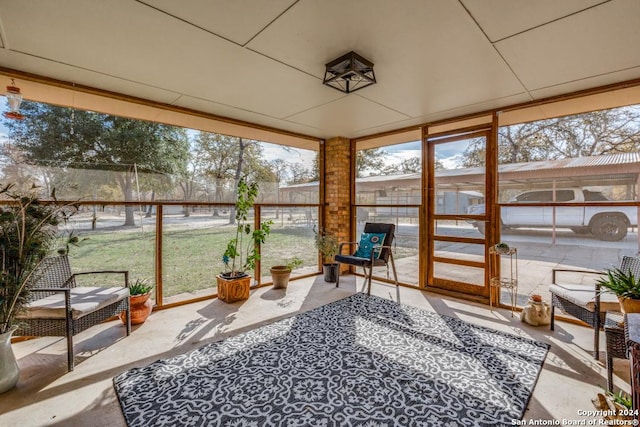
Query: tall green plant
[327, 244]
[28, 231]
[242, 252]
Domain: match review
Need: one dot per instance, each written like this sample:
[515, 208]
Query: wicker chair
[587, 303]
[381, 256]
[58, 307]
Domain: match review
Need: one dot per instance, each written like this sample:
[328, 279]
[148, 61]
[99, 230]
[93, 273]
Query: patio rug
[359, 361]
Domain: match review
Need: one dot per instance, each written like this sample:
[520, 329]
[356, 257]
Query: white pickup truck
[608, 223]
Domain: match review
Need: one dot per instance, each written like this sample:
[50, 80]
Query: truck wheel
[609, 228]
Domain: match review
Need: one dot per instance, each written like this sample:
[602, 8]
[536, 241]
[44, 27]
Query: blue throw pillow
[367, 243]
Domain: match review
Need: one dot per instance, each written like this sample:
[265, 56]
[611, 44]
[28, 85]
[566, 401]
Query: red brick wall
[337, 187]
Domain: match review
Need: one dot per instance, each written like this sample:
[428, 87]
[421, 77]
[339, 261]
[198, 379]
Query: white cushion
[84, 300]
[584, 296]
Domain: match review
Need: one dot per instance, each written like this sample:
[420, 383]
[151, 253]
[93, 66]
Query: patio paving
[46, 395]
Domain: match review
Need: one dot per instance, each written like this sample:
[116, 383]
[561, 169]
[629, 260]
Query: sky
[450, 154]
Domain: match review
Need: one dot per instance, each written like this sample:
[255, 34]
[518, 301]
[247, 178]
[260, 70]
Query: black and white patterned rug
[359, 361]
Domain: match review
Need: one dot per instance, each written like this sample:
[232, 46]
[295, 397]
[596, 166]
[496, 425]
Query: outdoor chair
[373, 250]
[58, 307]
[588, 303]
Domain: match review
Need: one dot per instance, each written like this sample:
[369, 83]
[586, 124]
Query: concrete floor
[46, 395]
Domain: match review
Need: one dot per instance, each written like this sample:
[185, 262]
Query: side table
[503, 281]
[616, 342]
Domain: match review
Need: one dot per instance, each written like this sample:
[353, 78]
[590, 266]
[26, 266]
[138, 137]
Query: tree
[409, 165]
[588, 134]
[598, 132]
[225, 159]
[315, 168]
[299, 174]
[369, 161]
[217, 158]
[279, 168]
[244, 145]
[56, 136]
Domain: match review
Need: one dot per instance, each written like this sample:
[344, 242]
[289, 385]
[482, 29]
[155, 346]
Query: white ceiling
[263, 61]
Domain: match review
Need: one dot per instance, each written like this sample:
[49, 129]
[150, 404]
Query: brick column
[337, 179]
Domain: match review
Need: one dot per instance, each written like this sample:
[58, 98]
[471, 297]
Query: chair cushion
[368, 242]
[584, 296]
[84, 300]
[358, 261]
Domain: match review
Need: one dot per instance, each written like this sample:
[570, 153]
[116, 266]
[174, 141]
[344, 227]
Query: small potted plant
[614, 407]
[242, 252]
[626, 286]
[139, 302]
[537, 298]
[502, 248]
[280, 273]
[327, 245]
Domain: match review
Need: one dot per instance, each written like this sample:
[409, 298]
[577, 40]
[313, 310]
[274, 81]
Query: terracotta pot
[629, 305]
[232, 290]
[140, 306]
[280, 275]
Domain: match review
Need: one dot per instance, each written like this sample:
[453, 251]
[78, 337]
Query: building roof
[618, 168]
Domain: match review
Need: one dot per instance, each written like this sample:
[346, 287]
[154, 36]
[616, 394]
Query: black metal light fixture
[349, 73]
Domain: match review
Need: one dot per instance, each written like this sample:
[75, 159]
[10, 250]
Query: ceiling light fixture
[14, 99]
[349, 73]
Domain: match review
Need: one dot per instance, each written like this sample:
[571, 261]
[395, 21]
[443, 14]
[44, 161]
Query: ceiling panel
[237, 20]
[191, 62]
[601, 40]
[590, 82]
[346, 115]
[442, 115]
[263, 61]
[500, 18]
[247, 116]
[428, 56]
[68, 73]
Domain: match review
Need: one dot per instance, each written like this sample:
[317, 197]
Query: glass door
[456, 217]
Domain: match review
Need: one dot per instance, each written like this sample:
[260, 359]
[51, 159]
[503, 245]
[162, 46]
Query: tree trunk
[150, 207]
[129, 217]
[126, 184]
[243, 146]
[217, 196]
[187, 191]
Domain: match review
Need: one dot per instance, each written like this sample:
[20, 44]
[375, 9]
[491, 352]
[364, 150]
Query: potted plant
[140, 303]
[614, 407]
[28, 232]
[501, 248]
[280, 273]
[327, 245]
[626, 287]
[242, 251]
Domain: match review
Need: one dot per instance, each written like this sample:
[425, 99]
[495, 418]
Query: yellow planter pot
[629, 305]
[232, 290]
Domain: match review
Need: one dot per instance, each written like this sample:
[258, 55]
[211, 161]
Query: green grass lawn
[192, 249]
[191, 257]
